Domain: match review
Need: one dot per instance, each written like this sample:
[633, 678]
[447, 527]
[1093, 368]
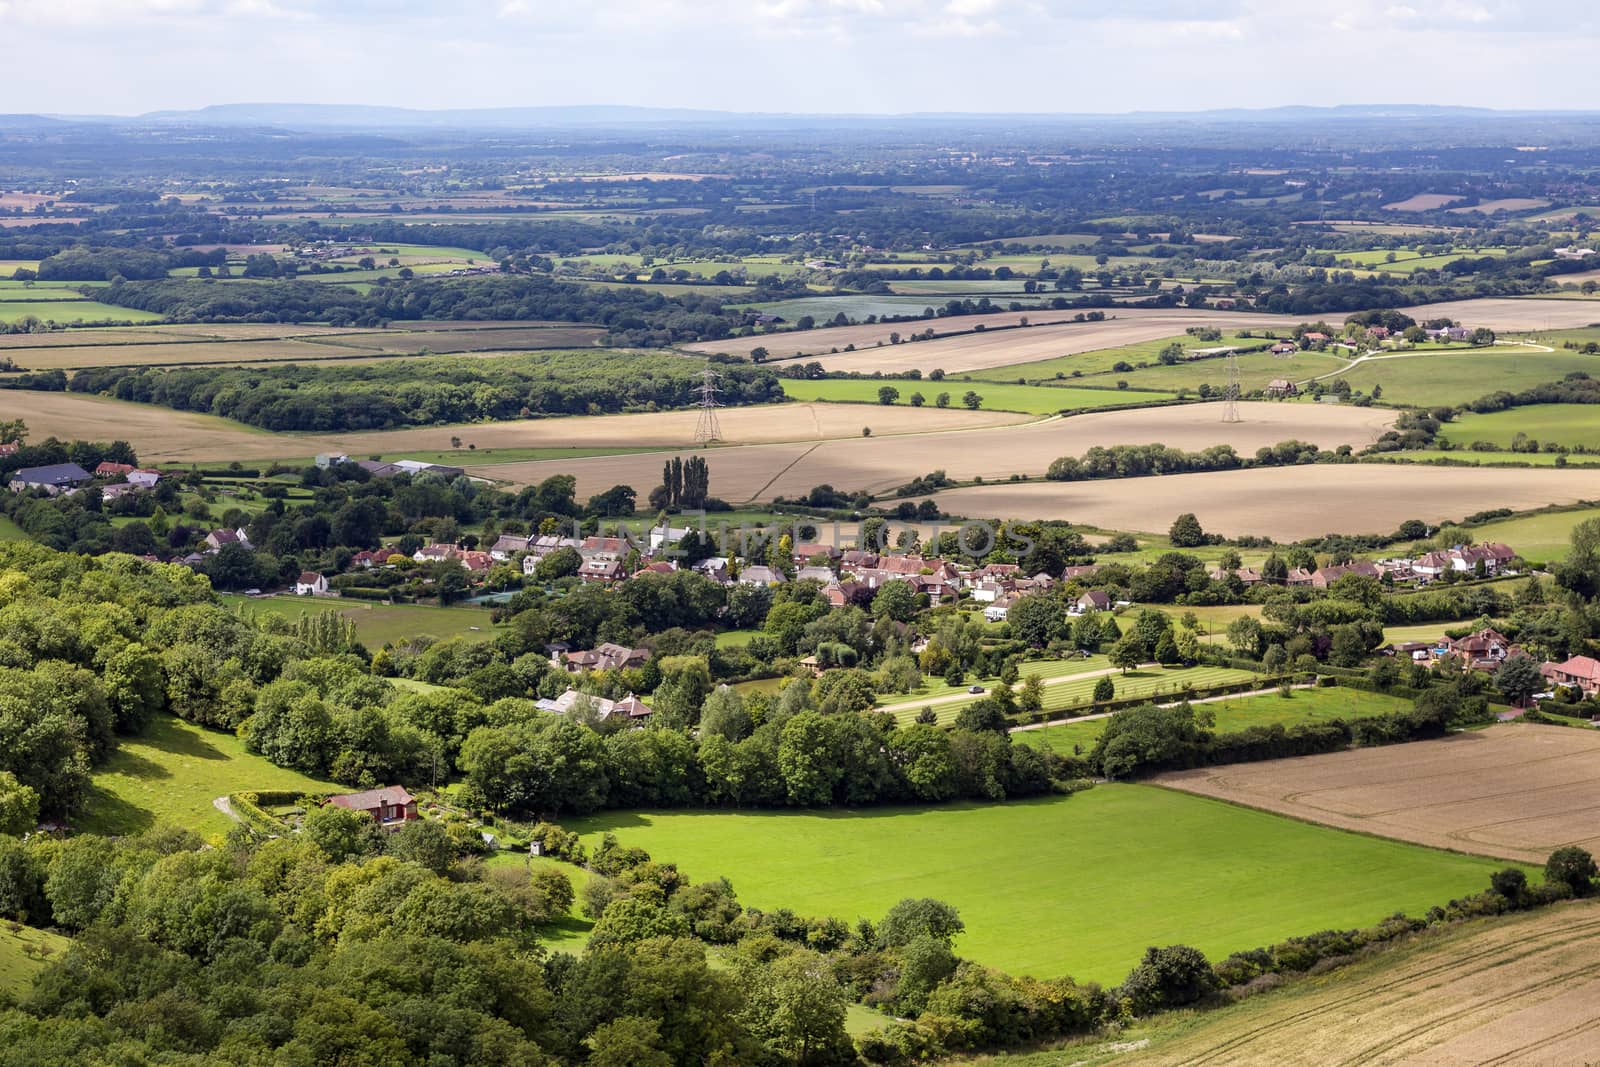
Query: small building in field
[1282, 387]
[310, 583]
[391, 806]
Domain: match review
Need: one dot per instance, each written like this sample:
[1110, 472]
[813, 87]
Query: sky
[830, 56]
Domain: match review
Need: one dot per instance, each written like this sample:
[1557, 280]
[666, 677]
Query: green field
[571, 934]
[1101, 360]
[1303, 705]
[1256, 369]
[69, 311]
[1562, 424]
[1068, 885]
[1457, 377]
[171, 773]
[376, 624]
[1487, 459]
[1033, 399]
[1537, 538]
[24, 953]
[1153, 682]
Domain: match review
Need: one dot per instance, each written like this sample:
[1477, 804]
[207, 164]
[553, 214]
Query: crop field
[1422, 202]
[1284, 503]
[69, 311]
[376, 624]
[1088, 880]
[1102, 360]
[1537, 538]
[883, 462]
[24, 952]
[1562, 424]
[1256, 370]
[1050, 334]
[1034, 399]
[1233, 714]
[1519, 990]
[1516, 790]
[1510, 203]
[1457, 377]
[1489, 459]
[170, 774]
[1505, 314]
[856, 306]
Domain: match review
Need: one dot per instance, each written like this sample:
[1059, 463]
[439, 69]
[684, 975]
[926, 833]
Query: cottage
[55, 479]
[838, 594]
[436, 553]
[602, 570]
[1326, 576]
[310, 583]
[660, 566]
[477, 562]
[1485, 649]
[391, 806]
[988, 592]
[507, 545]
[365, 560]
[217, 540]
[603, 547]
[144, 478]
[714, 568]
[604, 657]
[1282, 387]
[1299, 576]
[814, 574]
[1079, 570]
[113, 470]
[1093, 600]
[998, 611]
[665, 536]
[1284, 348]
[806, 551]
[1246, 575]
[761, 575]
[1579, 672]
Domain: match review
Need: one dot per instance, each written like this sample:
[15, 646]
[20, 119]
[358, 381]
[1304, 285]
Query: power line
[707, 429]
[1230, 392]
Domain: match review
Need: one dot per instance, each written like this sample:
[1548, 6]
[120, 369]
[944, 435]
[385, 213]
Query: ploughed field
[1075, 885]
[1285, 503]
[1517, 791]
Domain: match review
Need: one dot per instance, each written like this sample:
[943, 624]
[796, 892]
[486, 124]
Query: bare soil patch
[1285, 503]
[195, 353]
[1050, 334]
[1521, 990]
[851, 462]
[1511, 314]
[1422, 202]
[1516, 791]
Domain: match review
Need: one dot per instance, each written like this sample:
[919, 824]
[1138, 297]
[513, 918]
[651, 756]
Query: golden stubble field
[1284, 503]
[1048, 336]
[1509, 314]
[1516, 791]
[883, 462]
[1522, 990]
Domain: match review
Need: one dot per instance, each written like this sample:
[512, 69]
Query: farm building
[1282, 387]
[55, 479]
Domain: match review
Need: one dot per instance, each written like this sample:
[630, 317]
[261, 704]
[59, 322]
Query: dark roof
[390, 794]
[54, 474]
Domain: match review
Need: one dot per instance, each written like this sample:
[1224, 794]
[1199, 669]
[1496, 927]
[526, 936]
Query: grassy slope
[1102, 360]
[1305, 705]
[1076, 884]
[1455, 377]
[376, 624]
[1563, 424]
[171, 773]
[1538, 538]
[20, 957]
[69, 310]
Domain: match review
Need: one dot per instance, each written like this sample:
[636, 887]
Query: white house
[144, 479]
[664, 535]
[311, 583]
[998, 611]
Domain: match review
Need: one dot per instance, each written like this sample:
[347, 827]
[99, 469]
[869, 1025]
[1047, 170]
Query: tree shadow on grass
[107, 813]
[166, 734]
[134, 765]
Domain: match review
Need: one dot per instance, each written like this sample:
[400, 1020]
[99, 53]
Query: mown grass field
[1562, 424]
[171, 773]
[71, 311]
[24, 952]
[376, 624]
[1456, 377]
[1102, 360]
[1033, 399]
[1067, 885]
[1537, 538]
[1302, 705]
[1462, 457]
[1156, 683]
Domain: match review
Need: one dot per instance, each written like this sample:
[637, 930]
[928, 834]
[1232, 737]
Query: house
[113, 470]
[331, 459]
[858, 557]
[477, 562]
[602, 570]
[391, 806]
[217, 540]
[507, 544]
[1485, 649]
[994, 572]
[55, 479]
[630, 706]
[9, 448]
[812, 664]
[660, 566]
[988, 592]
[806, 551]
[544, 545]
[1079, 570]
[1493, 556]
[1298, 576]
[1326, 576]
[1580, 672]
[1093, 600]
[715, 568]
[604, 657]
[310, 583]
[998, 611]
[435, 553]
[1284, 348]
[1282, 387]
[838, 594]
[1246, 575]
[760, 575]
[1313, 338]
[814, 574]
[635, 709]
[114, 492]
[603, 547]
[665, 536]
[144, 478]
[366, 560]
[379, 469]
[1432, 565]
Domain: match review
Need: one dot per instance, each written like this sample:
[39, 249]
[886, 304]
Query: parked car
[974, 688]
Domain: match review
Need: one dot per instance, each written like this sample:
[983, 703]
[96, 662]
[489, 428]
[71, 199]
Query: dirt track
[1285, 503]
[1048, 338]
[882, 462]
[1517, 791]
[1522, 990]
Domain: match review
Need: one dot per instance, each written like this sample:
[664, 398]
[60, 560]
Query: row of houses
[1487, 648]
[1462, 559]
[61, 479]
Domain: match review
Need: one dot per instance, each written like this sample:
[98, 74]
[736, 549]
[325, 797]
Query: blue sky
[127, 56]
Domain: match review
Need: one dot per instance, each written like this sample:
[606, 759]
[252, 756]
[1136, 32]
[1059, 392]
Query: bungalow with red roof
[391, 806]
[1579, 672]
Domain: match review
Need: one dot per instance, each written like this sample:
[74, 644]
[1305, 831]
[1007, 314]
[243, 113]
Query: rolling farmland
[1516, 791]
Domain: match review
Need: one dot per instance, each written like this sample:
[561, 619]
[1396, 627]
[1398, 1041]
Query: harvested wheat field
[162, 435]
[883, 462]
[117, 336]
[1522, 990]
[1516, 791]
[191, 353]
[1048, 336]
[1422, 202]
[1510, 203]
[1511, 314]
[1284, 503]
